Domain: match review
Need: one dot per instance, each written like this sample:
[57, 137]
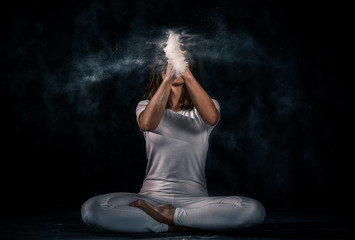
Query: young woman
[176, 120]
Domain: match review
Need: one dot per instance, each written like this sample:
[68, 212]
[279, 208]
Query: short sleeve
[140, 107]
[216, 104]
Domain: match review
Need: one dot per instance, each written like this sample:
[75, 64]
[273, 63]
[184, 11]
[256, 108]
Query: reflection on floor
[68, 225]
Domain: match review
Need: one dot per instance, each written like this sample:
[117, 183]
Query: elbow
[146, 126]
[213, 120]
[143, 123]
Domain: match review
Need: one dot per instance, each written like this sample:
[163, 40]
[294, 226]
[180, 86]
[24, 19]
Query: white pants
[112, 212]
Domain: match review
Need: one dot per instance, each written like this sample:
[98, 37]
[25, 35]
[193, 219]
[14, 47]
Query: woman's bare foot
[162, 213]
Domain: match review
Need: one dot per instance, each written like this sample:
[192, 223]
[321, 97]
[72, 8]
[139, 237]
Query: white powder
[174, 53]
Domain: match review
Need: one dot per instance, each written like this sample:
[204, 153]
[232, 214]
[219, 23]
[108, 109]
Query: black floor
[68, 225]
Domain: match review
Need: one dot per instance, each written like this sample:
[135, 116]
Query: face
[178, 81]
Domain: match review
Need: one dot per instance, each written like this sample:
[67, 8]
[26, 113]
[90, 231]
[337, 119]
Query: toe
[133, 204]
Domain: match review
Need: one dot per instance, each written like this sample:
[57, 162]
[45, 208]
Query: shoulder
[141, 106]
[143, 103]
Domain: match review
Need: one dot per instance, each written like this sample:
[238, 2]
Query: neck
[175, 94]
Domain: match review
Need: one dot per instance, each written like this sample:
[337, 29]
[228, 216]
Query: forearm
[201, 100]
[150, 118]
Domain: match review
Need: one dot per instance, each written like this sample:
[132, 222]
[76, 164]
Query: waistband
[173, 188]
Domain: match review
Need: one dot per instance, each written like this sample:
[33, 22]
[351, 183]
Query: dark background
[72, 74]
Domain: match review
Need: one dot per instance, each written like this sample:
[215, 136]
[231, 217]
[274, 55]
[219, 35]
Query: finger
[170, 66]
[170, 69]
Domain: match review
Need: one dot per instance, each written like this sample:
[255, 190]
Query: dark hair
[159, 66]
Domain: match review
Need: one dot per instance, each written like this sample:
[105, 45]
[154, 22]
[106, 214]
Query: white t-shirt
[176, 153]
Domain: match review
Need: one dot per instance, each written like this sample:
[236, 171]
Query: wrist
[167, 81]
[187, 76]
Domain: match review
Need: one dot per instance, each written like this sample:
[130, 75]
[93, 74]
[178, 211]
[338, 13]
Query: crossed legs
[130, 212]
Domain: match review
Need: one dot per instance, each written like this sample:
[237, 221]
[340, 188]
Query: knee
[254, 213]
[249, 212]
[88, 210]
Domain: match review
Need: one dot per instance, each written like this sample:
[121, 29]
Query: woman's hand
[187, 73]
[169, 75]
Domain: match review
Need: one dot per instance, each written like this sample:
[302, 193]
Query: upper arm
[140, 108]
